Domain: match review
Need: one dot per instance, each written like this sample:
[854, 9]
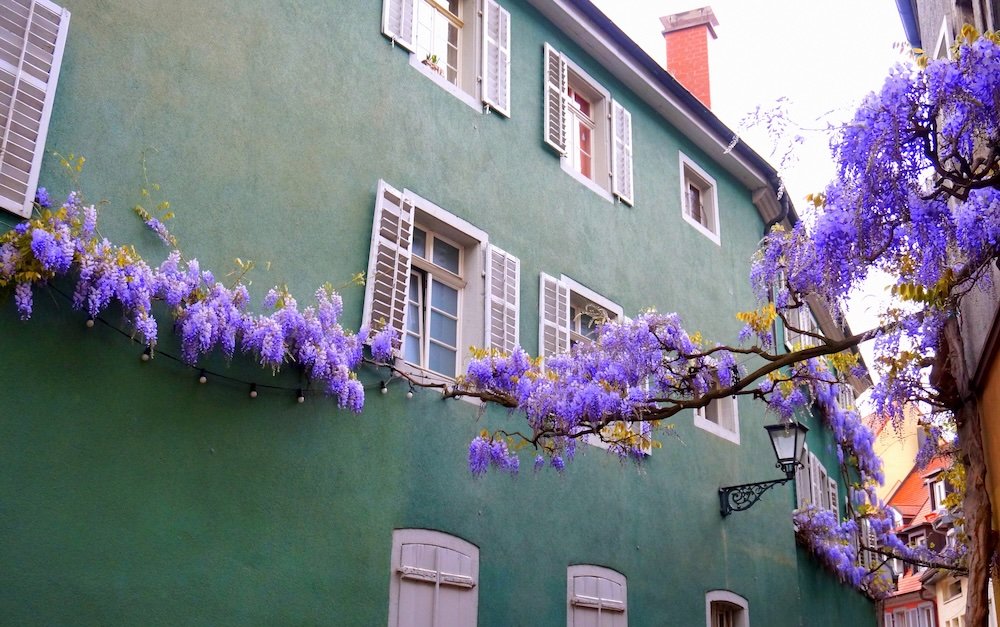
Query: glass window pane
[411, 349]
[444, 298]
[419, 243]
[442, 360]
[446, 256]
[444, 329]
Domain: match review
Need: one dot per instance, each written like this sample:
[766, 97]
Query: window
[595, 596]
[591, 132]
[814, 486]
[464, 45]
[801, 318]
[938, 493]
[845, 396]
[699, 199]
[434, 580]
[953, 590]
[570, 314]
[32, 39]
[426, 271]
[726, 609]
[720, 417]
[868, 539]
[922, 616]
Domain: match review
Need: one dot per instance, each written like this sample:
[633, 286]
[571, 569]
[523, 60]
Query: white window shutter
[833, 497]
[503, 285]
[621, 153]
[553, 315]
[389, 261]
[399, 19]
[555, 99]
[495, 72]
[597, 601]
[32, 39]
[802, 489]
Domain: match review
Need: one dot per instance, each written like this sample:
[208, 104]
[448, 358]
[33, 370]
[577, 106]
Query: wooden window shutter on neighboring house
[621, 154]
[389, 261]
[495, 72]
[553, 334]
[833, 497]
[32, 39]
[503, 285]
[555, 100]
[398, 21]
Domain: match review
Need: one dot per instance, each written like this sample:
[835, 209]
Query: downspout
[937, 617]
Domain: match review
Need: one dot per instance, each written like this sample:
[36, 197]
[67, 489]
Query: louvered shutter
[555, 100]
[503, 285]
[32, 38]
[495, 72]
[553, 333]
[621, 154]
[833, 497]
[817, 475]
[597, 601]
[399, 21]
[802, 489]
[389, 261]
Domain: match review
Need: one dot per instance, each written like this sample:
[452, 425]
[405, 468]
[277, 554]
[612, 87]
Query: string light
[253, 390]
[384, 389]
[201, 377]
[147, 354]
[409, 393]
[90, 323]
[301, 397]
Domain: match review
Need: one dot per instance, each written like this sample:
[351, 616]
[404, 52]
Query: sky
[819, 59]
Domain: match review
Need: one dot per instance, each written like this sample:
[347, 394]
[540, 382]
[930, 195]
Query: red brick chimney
[686, 35]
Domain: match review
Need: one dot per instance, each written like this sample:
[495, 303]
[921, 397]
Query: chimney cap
[689, 19]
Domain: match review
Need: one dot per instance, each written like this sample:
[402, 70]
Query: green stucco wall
[130, 494]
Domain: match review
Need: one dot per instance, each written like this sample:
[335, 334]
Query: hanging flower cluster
[208, 315]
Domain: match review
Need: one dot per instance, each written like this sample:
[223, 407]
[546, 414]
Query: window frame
[692, 174]
[611, 142]
[489, 281]
[483, 49]
[730, 598]
[601, 572]
[440, 539]
[716, 428]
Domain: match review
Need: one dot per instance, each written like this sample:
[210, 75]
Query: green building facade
[132, 494]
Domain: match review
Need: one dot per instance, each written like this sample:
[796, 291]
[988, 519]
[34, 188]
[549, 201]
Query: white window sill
[422, 375]
[701, 229]
[442, 82]
[714, 429]
[567, 167]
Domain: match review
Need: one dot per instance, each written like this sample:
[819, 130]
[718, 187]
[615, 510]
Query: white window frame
[483, 50]
[617, 609]
[938, 492]
[693, 174]
[22, 139]
[467, 581]
[611, 144]
[730, 598]
[725, 404]
[815, 486]
[486, 302]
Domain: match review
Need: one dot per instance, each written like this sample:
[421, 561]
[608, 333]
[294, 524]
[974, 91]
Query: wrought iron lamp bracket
[738, 498]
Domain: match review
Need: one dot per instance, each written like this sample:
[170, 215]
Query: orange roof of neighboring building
[910, 582]
[912, 494]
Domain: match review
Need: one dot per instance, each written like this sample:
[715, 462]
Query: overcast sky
[820, 58]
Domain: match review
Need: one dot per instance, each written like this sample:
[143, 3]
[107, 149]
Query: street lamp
[787, 441]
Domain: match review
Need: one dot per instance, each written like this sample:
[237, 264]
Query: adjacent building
[502, 171]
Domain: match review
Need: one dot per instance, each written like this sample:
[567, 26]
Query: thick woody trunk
[978, 515]
[953, 382]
